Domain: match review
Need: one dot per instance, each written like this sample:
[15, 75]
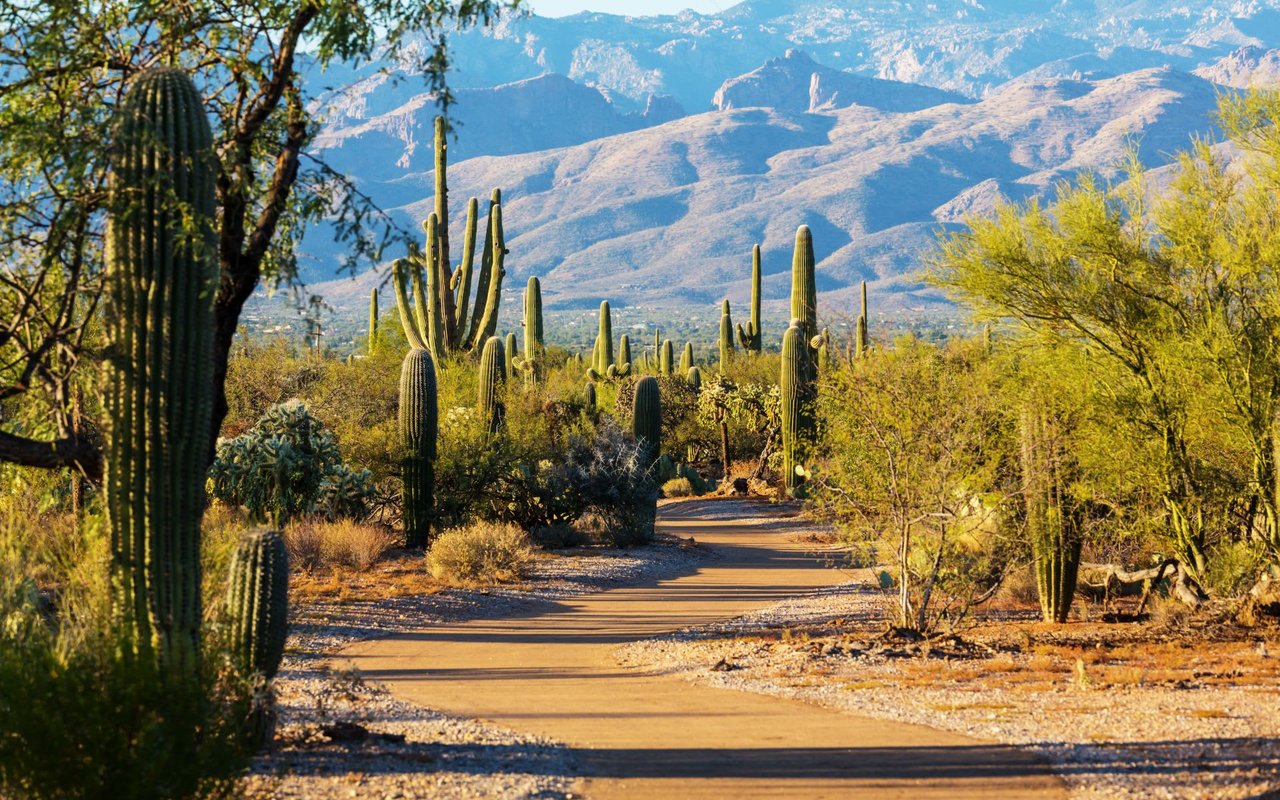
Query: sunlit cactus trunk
[258, 603]
[726, 337]
[492, 383]
[161, 277]
[797, 391]
[646, 417]
[373, 320]
[749, 336]
[1053, 517]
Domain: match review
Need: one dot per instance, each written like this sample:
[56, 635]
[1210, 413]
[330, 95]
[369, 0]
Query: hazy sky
[560, 8]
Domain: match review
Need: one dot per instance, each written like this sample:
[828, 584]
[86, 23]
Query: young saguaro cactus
[373, 320]
[1053, 517]
[531, 364]
[646, 417]
[624, 354]
[694, 378]
[686, 357]
[511, 352]
[864, 343]
[589, 396]
[258, 602]
[726, 337]
[493, 375]
[161, 278]
[666, 361]
[419, 425]
[749, 336]
[604, 340]
[796, 382]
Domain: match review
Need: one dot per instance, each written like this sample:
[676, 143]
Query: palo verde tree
[64, 67]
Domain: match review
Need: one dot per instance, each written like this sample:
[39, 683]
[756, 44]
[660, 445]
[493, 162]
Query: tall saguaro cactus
[797, 387]
[750, 336]
[864, 342]
[493, 375]
[624, 354]
[1053, 517]
[161, 277]
[419, 425]
[373, 320]
[726, 337]
[686, 357]
[511, 354]
[446, 319]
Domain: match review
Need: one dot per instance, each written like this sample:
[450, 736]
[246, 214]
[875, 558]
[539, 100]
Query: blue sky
[560, 8]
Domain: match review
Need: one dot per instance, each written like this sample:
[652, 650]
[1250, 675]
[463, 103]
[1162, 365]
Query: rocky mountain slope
[879, 123]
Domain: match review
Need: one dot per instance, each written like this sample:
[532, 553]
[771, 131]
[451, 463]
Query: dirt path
[642, 735]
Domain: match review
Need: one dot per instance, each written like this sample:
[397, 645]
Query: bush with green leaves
[287, 465]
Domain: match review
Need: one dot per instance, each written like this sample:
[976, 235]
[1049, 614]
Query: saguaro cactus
[797, 416]
[686, 357]
[258, 602]
[750, 335]
[646, 417]
[824, 351]
[511, 354]
[726, 337]
[667, 359]
[419, 425]
[864, 342]
[804, 291]
[534, 350]
[624, 354]
[694, 378]
[589, 396]
[445, 319]
[604, 340]
[493, 376]
[373, 320]
[161, 277]
[1053, 517]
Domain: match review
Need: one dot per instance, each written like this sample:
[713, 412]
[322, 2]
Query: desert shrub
[79, 721]
[615, 484]
[558, 536]
[315, 542]
[480, 553]
[283, 466]
[678, 487]
[1234, 568]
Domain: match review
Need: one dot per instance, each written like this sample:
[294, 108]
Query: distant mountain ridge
[642, 156]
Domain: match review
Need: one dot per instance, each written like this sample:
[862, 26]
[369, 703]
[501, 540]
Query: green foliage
[286, 465]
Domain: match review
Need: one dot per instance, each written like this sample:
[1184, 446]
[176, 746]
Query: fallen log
[1112, 580]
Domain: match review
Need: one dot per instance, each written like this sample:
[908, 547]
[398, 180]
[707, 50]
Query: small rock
[724, 665]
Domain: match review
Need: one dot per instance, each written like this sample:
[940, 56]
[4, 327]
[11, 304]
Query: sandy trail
[642, 735]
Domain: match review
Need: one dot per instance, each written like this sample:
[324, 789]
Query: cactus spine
[667, 359]
[646, 417]
[258, 602]
[373, 320]
[534, 349]
[445, 319]
[750, 335]
[419, 424]
[1053, 518]
[797, 397]
[726, 337]
[161, 277]
[493, 376]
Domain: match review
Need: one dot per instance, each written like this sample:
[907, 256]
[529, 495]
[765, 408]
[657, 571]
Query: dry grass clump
[678, 487]
[315, 543]
[481, 553]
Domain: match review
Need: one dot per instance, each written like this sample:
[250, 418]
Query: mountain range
[641, 157]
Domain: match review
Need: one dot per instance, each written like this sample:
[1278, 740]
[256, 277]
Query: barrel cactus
[749, 336]
[493, 375]
[419, 424]
[161, 277]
